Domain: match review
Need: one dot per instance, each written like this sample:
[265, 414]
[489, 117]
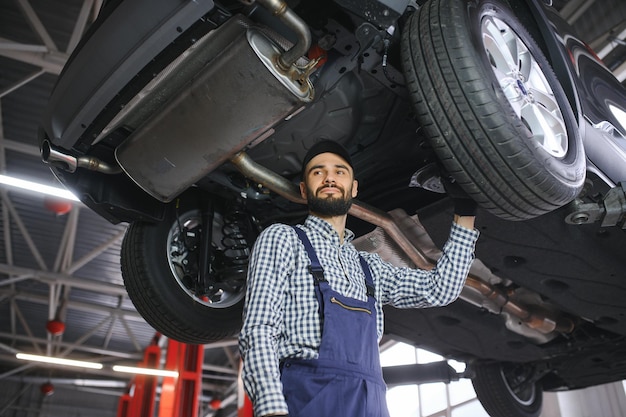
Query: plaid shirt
[281, 317]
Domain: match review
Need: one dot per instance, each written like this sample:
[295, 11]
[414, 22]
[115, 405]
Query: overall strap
[369, 281]
[315, 267]
[317, 270]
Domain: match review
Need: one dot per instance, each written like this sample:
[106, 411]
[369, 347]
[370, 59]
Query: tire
[508, 136]
[154, 258]
[507, 390]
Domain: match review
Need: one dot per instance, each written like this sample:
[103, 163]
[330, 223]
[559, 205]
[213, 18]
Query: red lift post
[180, 396]
[139, 402]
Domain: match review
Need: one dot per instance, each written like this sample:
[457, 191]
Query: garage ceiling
[67, 266]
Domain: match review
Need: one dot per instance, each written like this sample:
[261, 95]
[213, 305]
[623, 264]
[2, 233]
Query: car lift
[179, 395]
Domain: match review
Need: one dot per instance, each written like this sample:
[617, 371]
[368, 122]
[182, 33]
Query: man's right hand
[464, 205]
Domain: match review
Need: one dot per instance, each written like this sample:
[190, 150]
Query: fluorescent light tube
[37, 188]
[58, 361]
[144, 371]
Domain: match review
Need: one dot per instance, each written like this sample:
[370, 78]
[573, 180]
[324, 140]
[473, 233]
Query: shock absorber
[235, 232]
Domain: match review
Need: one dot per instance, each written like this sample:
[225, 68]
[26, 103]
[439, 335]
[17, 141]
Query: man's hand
[464, 205]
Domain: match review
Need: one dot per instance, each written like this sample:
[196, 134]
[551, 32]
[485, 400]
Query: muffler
[234, 97]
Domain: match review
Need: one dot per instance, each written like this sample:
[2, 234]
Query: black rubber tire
[157, 295]
[494, 391]
[474, 130]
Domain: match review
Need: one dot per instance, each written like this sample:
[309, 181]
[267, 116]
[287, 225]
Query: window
[456, 399]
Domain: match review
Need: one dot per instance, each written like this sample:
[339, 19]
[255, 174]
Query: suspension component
[611, 211]
[206, 247]
[199, 255]
[235, 232]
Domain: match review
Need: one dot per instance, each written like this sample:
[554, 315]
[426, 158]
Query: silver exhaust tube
[58, 159]
[70, 163]
[280, 9]
[475, 287]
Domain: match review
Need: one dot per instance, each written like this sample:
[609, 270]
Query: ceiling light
[36, 187]
[58, 361]
[144, 371]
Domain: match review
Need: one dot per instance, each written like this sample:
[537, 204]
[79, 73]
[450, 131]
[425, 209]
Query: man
[313, 315]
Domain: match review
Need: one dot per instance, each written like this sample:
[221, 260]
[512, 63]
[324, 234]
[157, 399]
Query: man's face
[329, 185]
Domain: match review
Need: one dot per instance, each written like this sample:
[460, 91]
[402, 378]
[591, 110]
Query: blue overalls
[346, 380]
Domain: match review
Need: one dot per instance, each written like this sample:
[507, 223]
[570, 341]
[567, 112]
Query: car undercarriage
[201, 149]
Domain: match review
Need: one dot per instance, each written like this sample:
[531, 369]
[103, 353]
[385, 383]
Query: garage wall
[602, 401]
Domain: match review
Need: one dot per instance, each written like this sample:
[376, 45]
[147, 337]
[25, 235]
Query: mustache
[322, 187]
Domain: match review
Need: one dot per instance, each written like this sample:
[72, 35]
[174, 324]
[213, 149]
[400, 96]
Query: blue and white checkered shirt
[281, 317]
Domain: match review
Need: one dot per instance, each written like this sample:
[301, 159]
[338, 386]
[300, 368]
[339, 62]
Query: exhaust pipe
[70, 163]
[474, 287]
[280, 9]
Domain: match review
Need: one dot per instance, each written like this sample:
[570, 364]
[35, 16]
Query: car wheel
[507, 390]
[160, 264]
[492, 107]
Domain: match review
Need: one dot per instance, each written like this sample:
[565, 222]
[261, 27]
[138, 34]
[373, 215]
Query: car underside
[196, 134]
[541, 267]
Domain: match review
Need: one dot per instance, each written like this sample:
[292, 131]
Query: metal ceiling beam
[81, 23]
[79, 382]
[36, 24]
[109, 334]
[81, 340]
[25, 325]
[20, 83]
[14, 398]
[9, 45]
[20, 147]
[222, 343]
[94, 253]
[574, 9]
[66, 246]
[221, 369]
[50, 61]
[15, 280]
[612, 39]
[96, 9]
[20, 225]
[16, 371]
[83, 348]
[75, 305]
[62, 278]
[130, 334]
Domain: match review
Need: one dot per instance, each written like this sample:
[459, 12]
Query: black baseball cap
[324, 146]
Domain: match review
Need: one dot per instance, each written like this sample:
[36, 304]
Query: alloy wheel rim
[525, 86]
[178, 254]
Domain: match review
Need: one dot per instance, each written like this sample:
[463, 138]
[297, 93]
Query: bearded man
[313, 315]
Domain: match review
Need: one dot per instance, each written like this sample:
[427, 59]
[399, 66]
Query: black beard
[329, 206]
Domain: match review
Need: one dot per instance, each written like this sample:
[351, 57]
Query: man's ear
[303, 193]
[355, 188]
